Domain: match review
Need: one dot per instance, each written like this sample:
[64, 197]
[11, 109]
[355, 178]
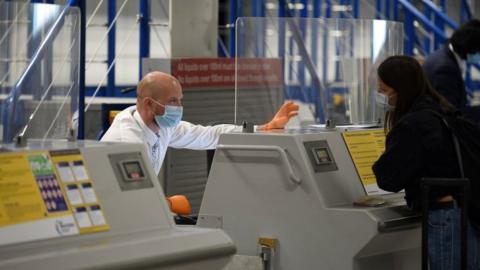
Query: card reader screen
[133, 170]
[322, 156]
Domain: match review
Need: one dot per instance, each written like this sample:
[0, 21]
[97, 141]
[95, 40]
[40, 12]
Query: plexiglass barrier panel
[39, 59]
[328, 65]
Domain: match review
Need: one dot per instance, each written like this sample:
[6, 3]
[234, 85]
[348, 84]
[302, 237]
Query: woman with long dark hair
[419, 145]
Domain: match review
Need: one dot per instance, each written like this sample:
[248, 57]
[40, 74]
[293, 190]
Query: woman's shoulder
[424, 110]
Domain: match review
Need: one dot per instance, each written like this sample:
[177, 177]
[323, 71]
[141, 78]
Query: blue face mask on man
[473, 58]
[171, 117]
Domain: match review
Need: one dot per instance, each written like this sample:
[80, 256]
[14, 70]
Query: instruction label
[80, 191]
[366, 147]
[35, 204]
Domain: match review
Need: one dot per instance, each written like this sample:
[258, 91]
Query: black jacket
[418, 146]
[445, 75]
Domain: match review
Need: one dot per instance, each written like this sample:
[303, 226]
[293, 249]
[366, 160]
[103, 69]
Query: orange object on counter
[111, 115]
[179, 205]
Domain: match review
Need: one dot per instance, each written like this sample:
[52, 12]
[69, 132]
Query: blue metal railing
[144, 19]
[436, 28]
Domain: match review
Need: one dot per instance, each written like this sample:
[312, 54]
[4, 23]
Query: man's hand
[288, 110]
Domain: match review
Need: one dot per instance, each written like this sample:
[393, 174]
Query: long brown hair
[405, 75]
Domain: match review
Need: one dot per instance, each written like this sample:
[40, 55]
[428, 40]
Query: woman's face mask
[382, 100]
[385, 96]
[171, 117]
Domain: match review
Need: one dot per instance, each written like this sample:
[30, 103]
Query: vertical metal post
[396, 7]
[465, 12]
[328, 9]
[35, 78]
[144, 28]
[291, 43]
[440, 24]
[378, 9]
[388, 7]
[355, 8]
[262, 13]
[409, 33]
[281, 44]
[232, 17]
[281, 30]
[443, 4]
[258, 10]
[328, 14]
[426, 40]
[303, 30]
[317, 4]
[81, 82]
[48, 64]
[255, 7]
[112, 11]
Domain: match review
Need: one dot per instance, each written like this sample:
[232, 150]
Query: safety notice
[365, 147]
[36, 204]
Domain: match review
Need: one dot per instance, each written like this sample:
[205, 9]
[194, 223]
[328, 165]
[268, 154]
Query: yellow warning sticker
[365, 147]
[46, 195]
[20, 198]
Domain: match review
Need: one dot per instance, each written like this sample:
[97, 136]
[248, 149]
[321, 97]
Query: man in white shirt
[156, 120]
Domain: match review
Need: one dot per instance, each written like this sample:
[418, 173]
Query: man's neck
[149, 121]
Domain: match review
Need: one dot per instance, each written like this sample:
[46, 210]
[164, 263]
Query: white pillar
[193, 28]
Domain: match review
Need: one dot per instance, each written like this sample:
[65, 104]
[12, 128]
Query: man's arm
[198, 137]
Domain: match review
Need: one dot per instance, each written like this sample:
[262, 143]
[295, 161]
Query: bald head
[156, 85]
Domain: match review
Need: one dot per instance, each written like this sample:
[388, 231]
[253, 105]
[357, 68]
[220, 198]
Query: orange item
[111, 115]
[179, 205]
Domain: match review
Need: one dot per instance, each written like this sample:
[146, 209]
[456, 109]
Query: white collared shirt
[128, 126]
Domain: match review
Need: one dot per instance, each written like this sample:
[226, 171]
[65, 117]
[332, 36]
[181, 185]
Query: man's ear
[147, 103]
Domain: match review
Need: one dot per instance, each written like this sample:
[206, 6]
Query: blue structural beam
[281, 29]
[303, 30]
[232, 17]
[144, 10]
[317, 5]
[112, 11]
[81, 91]
[378, 9]
[426, 45]
[355, 8]
[412, 12]
[258, 10]
[439, 13]
[465, 11]
[388, 7]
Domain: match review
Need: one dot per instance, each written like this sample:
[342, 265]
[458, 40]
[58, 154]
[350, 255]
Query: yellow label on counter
[365, 147]
[28, 188]
[46, 195]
